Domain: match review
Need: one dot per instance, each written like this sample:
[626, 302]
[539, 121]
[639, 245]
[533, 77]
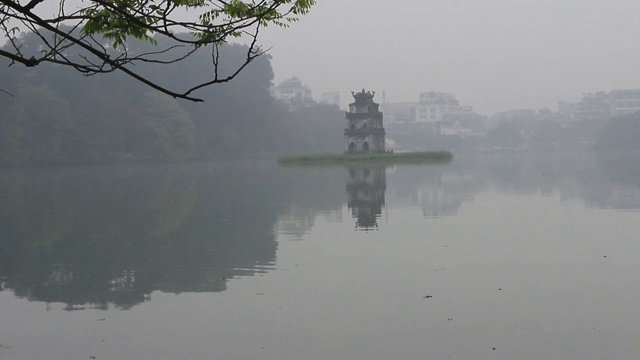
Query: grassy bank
[354, 158]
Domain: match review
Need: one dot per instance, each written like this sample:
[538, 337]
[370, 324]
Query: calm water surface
[487, 257]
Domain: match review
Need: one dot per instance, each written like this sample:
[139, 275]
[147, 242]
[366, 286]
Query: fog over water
[137, 226]
[494, 55]
[499, 256]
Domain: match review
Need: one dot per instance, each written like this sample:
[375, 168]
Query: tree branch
[6, 92]
[116, 20]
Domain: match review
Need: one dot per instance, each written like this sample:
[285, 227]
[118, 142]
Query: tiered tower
[364, 131]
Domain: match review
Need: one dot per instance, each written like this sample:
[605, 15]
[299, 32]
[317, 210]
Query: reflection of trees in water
[531, 172]
[310, 191]
[603, 180]
[617, 182]
[599, 180]
[438, 189]
[115, 234]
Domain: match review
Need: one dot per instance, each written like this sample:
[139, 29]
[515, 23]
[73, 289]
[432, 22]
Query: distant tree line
[617, 133]
[620, 133]
[51, 115]
[544, 134]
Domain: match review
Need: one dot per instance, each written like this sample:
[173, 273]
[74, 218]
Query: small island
[369, 157]
[364, 140]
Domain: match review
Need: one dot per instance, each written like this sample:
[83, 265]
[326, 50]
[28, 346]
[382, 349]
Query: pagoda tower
[364, 131]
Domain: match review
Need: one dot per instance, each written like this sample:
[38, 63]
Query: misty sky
[492, 54]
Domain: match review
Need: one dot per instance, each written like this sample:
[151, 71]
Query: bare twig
[6, 92]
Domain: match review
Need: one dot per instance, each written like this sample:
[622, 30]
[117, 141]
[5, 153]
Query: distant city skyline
[494, 55]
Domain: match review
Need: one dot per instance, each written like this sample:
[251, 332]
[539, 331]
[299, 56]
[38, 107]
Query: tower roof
[363, 97]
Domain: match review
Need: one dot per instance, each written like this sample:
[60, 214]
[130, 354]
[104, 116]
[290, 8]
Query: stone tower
[364, 131]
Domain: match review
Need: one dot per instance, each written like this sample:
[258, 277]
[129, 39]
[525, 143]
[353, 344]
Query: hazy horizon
[494, 55]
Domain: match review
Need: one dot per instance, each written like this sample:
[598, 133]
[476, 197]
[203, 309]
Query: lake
[500, 256]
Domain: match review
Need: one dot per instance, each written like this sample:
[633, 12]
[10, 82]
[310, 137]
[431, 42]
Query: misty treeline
[52, 115]
[621, 133]
[527, 133]
[617, 133]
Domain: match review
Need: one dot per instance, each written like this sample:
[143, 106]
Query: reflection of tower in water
[365, 195]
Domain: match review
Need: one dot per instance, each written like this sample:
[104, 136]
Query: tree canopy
[54, 119]
[92, 36]
[620, 133]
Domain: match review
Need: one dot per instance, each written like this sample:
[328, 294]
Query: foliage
[36, 126]
[620, 133]
[506, 135]
[312, 128]
[115, 119]
[94, 36]
[167, 128]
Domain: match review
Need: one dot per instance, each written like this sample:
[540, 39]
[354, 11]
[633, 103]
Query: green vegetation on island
[368, 157]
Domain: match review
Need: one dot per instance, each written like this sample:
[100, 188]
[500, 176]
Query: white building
[434, 106]
[602, 105]
[456, 128]
[624, 101]
[399, 113]
[293, 91]
[438, 111]
[331, 98]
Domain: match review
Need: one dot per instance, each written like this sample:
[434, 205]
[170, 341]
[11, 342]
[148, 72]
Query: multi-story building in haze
[602, 105]
[434, 105]
[437, 112]
[399, 113]
[330, 98]
[293, 91]
[625, 101]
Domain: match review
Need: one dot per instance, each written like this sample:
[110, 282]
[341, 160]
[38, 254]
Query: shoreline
[370, 157]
